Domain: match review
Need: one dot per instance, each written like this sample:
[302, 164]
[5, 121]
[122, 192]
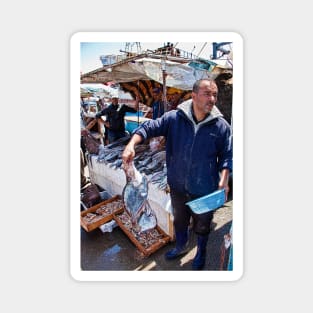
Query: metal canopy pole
[164, 74]
[137, 96]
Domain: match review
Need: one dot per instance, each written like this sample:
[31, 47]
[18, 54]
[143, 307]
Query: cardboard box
[100, 213]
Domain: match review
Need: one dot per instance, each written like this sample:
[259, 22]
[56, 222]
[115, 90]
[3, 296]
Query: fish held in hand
[135, 194]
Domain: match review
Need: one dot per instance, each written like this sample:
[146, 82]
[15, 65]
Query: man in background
[157, 106]
[115, 114]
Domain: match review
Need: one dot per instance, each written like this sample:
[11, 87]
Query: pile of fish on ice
[147, 166]
[149, 159]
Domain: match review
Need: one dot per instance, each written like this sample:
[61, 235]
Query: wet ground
[114, 251]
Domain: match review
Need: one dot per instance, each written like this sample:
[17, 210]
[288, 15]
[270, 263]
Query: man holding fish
[198, 160]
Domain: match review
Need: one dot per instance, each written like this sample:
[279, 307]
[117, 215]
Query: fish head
[147, 221]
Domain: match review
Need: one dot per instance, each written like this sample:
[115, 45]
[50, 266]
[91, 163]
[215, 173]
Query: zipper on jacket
[191, 150]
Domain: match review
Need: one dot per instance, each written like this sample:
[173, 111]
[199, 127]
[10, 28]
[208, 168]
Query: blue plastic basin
[208, 203]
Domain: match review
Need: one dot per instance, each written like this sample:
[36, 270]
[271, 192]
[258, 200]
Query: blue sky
[91, 51]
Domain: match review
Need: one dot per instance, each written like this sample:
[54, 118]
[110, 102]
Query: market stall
[138, 76]
[113, 181]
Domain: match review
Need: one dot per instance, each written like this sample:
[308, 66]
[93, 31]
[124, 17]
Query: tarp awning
[179, 75]
[139, 76]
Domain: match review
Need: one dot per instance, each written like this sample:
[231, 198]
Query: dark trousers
[182, 215]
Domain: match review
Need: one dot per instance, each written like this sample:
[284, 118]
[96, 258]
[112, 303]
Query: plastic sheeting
[178, 75]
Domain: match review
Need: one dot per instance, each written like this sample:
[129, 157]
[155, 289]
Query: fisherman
[198, 159]
[157, 106]
[115, 114]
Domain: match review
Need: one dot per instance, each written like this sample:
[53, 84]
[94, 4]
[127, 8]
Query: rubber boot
[199, 260]
[181, 246]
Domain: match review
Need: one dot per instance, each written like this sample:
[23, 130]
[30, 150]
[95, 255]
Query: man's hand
[129, 151]
[223, 183]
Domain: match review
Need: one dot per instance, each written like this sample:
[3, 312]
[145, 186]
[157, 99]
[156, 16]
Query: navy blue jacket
[195, 153]
[115, 116]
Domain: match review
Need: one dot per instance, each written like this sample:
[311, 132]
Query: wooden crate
[144, 249]
[89, 226]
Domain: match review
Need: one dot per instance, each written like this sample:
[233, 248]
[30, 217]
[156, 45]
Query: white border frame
[237, 111]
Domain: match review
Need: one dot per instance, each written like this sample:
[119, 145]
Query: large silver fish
[148, 219]
[135, 194]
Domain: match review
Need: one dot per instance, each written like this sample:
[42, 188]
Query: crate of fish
[148, 241]
[101, 213]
